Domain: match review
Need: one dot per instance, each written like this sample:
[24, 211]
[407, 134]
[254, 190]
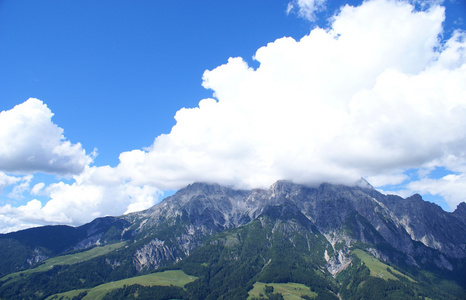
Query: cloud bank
[96, 192]
[374, 95]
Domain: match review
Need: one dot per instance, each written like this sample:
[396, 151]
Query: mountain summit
[336, 241]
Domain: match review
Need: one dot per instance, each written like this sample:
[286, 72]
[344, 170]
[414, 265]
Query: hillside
[290, 241]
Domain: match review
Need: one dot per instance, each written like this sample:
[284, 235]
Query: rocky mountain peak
[461, 208]
[415, 197]
[460, 212]
[363, 183]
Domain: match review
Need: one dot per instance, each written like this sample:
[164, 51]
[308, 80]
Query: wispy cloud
[306, 9]
[7, 180]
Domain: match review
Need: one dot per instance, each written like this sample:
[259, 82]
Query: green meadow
[68, 259]
[378, 268]
[167, 278]
[289, 291]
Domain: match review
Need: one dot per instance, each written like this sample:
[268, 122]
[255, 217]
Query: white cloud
[20, 188]
[393, 178]
[306, 8]
[371, 95]
[30, 142]
[37, 188]
[96, 192]
[6, 180]
[17, 218]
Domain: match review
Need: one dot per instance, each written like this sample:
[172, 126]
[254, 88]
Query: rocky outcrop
[155, 254]
[37, 257]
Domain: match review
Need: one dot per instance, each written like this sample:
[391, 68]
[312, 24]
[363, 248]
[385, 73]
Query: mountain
[327, 242]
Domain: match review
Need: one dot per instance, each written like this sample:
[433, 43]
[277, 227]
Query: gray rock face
[460, 212]
[408, 231]
[427, 223]
[154, 254]
[37, 257]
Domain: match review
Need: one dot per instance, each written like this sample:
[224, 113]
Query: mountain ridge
[323, 223]
[392, 215]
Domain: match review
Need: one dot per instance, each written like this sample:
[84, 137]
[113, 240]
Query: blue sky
[378, 93]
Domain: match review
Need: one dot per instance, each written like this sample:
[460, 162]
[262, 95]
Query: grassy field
[69, 259]
[167, 278]
[378, 268]
[289, 291]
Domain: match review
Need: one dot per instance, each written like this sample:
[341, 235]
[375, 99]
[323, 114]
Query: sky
[107, 107]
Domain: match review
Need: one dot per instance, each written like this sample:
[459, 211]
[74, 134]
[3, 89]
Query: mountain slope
[232, 239]
[26, 248]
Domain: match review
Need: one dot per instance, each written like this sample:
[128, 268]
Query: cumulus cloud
[17, 218]
[377, 93]
[98, 191]
[30, 142]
